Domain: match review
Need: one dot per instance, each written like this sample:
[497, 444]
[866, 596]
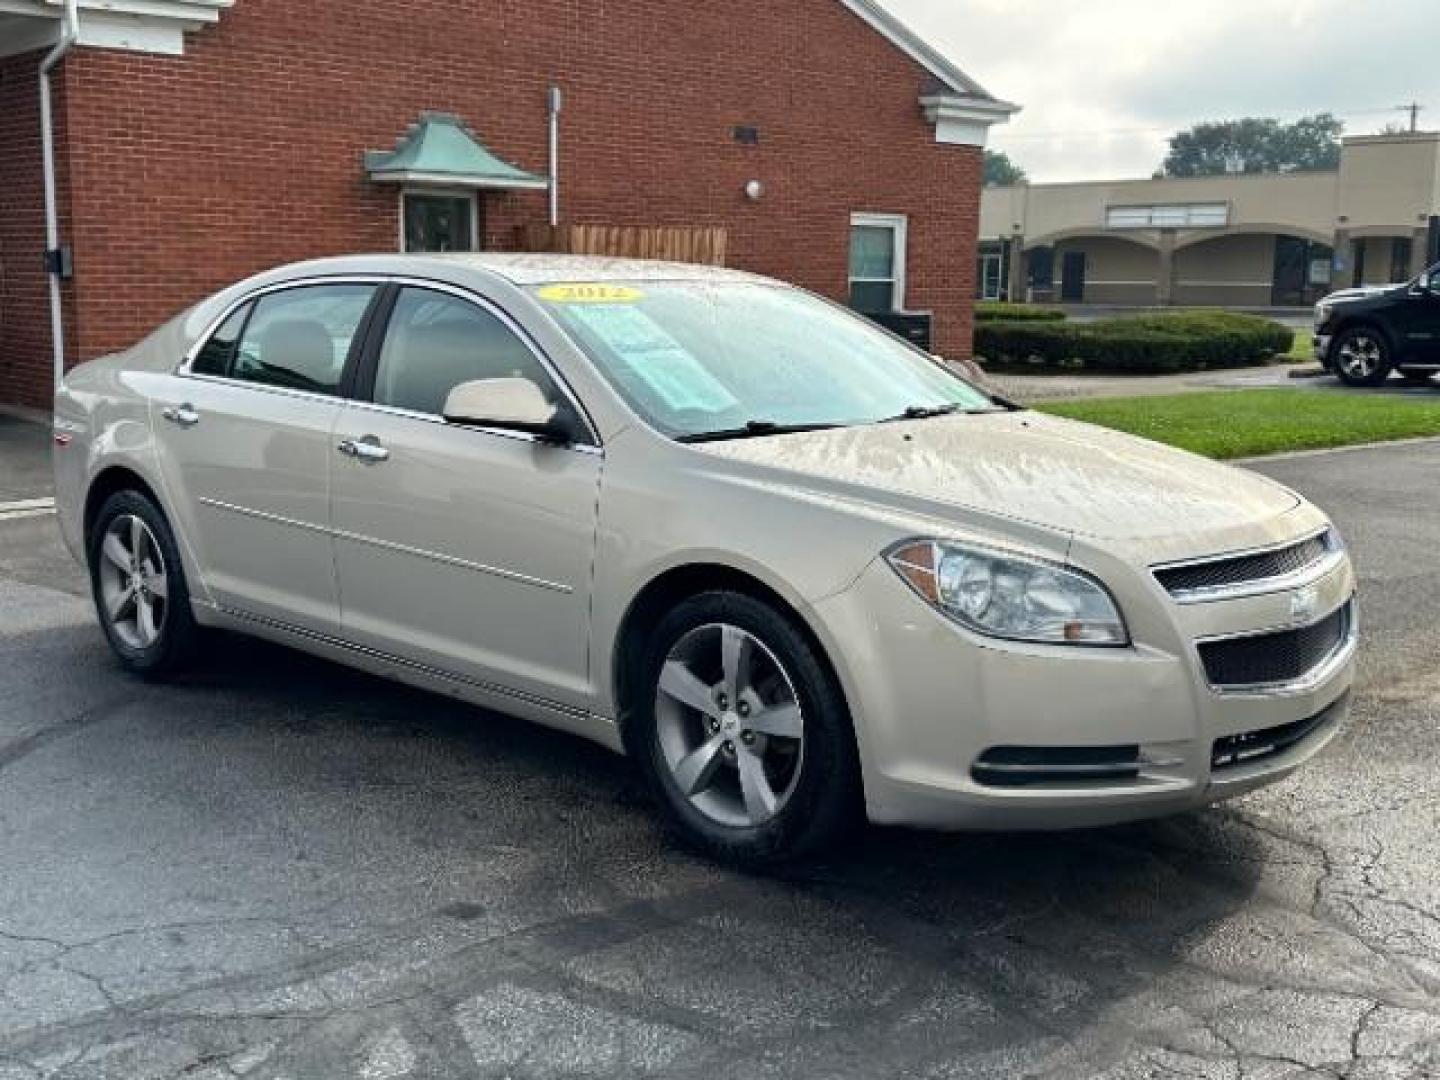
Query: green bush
[1143, 344]
[999, 311]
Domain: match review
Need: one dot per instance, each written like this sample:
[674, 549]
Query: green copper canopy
[441, 150]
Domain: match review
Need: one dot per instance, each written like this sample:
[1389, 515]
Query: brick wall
[25, 353]
[190, 172]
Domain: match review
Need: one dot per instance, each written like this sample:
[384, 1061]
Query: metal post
[556, 102]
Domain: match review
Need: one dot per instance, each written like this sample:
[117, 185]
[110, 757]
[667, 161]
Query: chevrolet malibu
[798, 571]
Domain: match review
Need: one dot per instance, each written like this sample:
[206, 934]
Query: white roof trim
[915, 47]
[134, 25]
[963, 120]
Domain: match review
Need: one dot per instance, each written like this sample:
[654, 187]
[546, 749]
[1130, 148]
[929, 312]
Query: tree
[1256, 145]
[1000, 171]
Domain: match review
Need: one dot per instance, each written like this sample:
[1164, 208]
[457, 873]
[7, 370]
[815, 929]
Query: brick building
[198, 141]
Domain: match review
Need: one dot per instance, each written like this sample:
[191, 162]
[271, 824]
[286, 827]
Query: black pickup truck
[1362, 335]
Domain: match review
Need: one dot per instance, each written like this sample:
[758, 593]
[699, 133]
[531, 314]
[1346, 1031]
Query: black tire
[825, 799]
[178, 635]
[1362, 356]
[1418, 378]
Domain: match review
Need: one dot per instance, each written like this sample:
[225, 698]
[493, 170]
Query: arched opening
[1252, 269]
[1092, 268]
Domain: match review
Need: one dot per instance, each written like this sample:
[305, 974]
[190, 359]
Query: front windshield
[705, 358]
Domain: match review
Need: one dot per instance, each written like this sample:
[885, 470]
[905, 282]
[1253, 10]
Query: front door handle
[367, 450]
[184, 415]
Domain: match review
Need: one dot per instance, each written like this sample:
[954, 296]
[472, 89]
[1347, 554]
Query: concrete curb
[20, 412]
[1328, 450]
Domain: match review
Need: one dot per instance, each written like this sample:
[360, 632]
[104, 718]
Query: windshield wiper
[925, 412]
[753, 430]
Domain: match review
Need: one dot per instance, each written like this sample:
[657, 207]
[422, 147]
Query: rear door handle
[184, 415]
[367, 450]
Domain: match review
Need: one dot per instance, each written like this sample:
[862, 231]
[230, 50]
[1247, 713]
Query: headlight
[1010, 596]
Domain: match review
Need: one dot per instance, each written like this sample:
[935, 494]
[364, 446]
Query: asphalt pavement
[280, 868]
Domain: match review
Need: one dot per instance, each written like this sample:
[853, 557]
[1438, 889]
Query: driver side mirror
[508, 405]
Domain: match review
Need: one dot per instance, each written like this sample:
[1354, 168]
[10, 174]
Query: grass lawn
[1244, 423]
[1302, 350]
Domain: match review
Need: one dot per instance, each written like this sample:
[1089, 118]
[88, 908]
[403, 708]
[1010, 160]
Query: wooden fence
[706, 246]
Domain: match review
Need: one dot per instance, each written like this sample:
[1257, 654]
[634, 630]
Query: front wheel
[743, 733]
[1362, 358]
[139, 586]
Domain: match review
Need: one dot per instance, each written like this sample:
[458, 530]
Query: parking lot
[284, 868]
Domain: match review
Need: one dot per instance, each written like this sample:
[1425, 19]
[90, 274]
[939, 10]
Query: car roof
[523, 269]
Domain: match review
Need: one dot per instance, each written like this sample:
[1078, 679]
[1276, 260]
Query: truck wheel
[1362, 357]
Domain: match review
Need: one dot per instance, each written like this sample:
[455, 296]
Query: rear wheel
[139, 586]
[1362, 357]
[743, 733]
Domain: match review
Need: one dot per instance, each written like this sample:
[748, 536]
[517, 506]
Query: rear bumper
[933, 705]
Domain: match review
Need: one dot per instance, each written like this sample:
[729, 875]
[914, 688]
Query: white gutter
[69, 32]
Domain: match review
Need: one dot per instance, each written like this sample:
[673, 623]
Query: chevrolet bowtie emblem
[1304, 604]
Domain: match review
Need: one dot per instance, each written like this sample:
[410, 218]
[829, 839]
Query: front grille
[1283, 657]
[1253, 747]
[1243, 569]
[1022, 766]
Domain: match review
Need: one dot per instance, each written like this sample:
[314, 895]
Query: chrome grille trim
[1202, 580]
[1317, 675]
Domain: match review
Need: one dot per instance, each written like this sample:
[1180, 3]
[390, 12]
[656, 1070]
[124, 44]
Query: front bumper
[932, 701]
[1322, 348]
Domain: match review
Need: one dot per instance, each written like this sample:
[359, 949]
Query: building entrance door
[992, 273]
[1072, 277]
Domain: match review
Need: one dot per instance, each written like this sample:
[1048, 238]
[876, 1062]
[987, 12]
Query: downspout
[556, 101]
[69, 32]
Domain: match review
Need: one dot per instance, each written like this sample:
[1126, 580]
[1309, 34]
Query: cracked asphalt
[279, 868]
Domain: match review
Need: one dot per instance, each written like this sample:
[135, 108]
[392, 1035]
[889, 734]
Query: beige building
[1239, 241]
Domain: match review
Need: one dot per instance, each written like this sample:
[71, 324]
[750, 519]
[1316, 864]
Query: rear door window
[300, 338]
[216, 355]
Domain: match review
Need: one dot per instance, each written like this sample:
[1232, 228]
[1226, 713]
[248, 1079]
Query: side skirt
[581, 722]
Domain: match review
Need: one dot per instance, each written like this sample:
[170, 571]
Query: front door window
[438, 222]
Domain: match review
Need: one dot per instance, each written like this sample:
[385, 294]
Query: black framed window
[439, 222]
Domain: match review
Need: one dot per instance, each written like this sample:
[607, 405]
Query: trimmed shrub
[1144, 344]
[999, 311]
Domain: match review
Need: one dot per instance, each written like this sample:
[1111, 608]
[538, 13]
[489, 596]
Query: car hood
[1045, 471]
[1361, 292]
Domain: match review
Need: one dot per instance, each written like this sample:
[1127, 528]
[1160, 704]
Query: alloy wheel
[134, 587]
[730, 726]
[1361, 356]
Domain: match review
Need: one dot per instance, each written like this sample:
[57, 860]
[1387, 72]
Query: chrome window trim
[591, 449]
[1306, 575]
[187, 362]
[183, 369]
[1312, 679]
[267, 388]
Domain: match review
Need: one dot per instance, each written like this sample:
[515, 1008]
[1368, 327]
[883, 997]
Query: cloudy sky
[1104, 82]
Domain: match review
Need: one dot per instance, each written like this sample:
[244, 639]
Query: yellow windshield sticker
[591, 293]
